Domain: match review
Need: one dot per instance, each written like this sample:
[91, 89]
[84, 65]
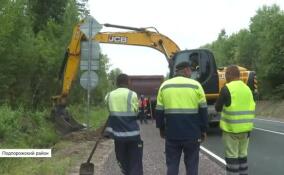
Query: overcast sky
[189, 23]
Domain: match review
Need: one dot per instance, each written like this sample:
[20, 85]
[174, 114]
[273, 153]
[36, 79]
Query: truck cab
[148, 86]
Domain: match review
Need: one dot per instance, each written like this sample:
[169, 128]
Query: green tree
[16, 43]
[30, 62]
[44, 11]
[258, 48]
[223, 49]
[244, 51]
[267, 28]
[112, 75]
[103, 86]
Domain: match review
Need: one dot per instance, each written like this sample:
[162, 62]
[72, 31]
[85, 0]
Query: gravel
[154, 158]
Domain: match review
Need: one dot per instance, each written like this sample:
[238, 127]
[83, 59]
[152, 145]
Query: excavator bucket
[64, 122]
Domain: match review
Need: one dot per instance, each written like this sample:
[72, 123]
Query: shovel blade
[87, 169]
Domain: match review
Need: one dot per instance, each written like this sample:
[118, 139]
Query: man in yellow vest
[181, 116]
[237, 108]
[122, 126]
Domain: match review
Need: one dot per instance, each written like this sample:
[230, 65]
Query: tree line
[259, 48]
[34, 35]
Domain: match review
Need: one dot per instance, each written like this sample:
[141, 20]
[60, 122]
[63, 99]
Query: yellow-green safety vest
[238, 117]
[180, 95]
[122, 104]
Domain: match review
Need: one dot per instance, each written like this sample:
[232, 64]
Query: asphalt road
[266, 149]
[154, 157]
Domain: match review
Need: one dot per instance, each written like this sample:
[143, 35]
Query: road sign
[94, 65]
[89, 80]
[85, 50]
[90, 27]
[85, 56]
[89, 57]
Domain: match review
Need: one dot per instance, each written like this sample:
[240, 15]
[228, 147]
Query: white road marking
[222, 160]
[275, 121]
[266, 130]
[213, 155]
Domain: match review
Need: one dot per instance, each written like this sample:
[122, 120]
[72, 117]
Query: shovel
[88, 168]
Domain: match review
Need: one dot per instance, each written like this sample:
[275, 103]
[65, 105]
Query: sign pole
[89, 73]
[89, 61]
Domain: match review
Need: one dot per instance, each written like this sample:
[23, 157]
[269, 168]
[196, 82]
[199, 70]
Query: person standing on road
[142, 109]
[238, 110]
[182, 119]
[122, 126]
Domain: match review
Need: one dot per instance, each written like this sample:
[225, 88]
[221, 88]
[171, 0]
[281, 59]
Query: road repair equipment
[88, 167]
[202, 61]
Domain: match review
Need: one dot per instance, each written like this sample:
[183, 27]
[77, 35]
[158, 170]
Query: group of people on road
[182, 119]
[144, 110]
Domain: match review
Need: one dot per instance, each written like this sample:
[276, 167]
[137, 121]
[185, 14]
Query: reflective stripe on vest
[129, 96]
[238, 117]
[181, 111]
[238, 112]
[180, 86]
[237, 121]
[121, 107]
[180, 95]
[123, 134]
[203, 105]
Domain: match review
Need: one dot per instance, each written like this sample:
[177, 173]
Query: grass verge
[24, 129]
[270, 109]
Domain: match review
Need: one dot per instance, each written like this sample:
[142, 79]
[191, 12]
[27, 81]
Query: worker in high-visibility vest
[182, 117]
[122, 104]
[237, 108]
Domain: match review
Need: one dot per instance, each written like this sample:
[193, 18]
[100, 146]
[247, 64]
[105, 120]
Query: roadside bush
[97, 116]
[24, 129]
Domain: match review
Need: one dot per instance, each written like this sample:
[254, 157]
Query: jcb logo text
[118, 39]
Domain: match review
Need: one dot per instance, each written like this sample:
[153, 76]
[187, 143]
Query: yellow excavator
[202, 60]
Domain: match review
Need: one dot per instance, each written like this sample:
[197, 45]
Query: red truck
[148, 86]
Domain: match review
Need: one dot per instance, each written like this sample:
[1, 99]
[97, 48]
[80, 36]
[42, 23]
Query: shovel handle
[97, 142]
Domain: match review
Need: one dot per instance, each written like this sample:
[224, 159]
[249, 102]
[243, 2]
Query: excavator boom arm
[139, 37]
[148, 39]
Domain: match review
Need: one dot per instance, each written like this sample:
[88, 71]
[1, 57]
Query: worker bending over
[182, 119]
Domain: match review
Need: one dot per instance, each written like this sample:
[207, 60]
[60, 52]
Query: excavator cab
[203, 68]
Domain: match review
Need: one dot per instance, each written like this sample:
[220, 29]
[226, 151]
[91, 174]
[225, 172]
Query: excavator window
[194, 65]
[199, 64]
[205, 67]
[193, 61]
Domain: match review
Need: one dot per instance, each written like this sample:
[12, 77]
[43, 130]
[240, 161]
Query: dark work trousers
[174, 149]
[129, 156]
